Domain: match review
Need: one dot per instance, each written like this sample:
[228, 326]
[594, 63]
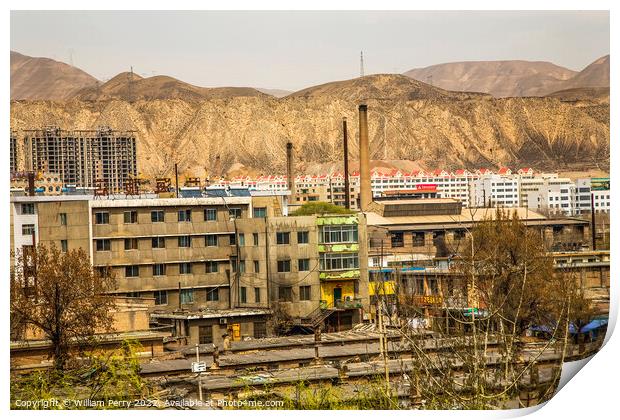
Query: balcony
[348, 303]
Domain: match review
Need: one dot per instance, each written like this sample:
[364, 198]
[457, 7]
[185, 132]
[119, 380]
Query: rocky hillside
[131, 87]
[512, 78]
[44, 78]
[408, 120]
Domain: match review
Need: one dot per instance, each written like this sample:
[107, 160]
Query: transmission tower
[361, 63]
[129, 84]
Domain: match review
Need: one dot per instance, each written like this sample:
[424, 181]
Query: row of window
[184, 215]
[284, 266]
[187, 296]
[338, 234]
[185, 241]
[398, 238]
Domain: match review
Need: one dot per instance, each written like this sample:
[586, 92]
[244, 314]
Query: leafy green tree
[319, 207]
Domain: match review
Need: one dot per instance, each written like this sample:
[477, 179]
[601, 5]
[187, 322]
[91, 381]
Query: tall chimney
[290, 173]
[365, 192]
[31, 184]
[345, 152]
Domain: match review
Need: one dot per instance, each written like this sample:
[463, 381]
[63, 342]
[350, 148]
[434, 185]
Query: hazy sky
[293, 50]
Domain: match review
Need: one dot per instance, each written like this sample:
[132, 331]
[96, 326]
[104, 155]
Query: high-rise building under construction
[84, 158]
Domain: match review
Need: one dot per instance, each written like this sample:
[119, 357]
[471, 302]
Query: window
[255, 238]
[260, 212]
[211, 240]
[243, 295]
[418, 238]
[185, 241]
[213, 295]
[63, 219]
[102, 244]
[104, 271]
[185, 268]
[211, 267]
[303, 264]
[234, 213]
[130, 216]
[27, 208]
[339, 233]
[242, 266]
[341, 261]
[210, 215]
[158, 242]
[27, 229]
[256, 266]
[185, 215]
[157, 216]
[283, 238]
[133, 294]
[397, 239]
[64, 247]
[187, 296]
[285, 294]
[132, 271]
[304, 292]
[232, 239]
[131, 243]
[284, 266]
[159, 269]
[241, 239]
[257, 294]
[205, 334]
[459, 234]
[161, 297]
[302, 237]
[260, 329]
[102, 218]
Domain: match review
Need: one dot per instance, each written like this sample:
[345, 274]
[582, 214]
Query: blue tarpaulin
[550, 328]
[596, 324]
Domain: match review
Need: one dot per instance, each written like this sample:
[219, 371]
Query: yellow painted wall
[327, 291]
[377, 287]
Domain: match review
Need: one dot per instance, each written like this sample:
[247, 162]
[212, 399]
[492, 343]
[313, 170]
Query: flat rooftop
[211, 313]
[466, 217]
[144, 200]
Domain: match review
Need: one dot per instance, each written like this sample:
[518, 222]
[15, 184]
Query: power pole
[593, 222]
[199, 374]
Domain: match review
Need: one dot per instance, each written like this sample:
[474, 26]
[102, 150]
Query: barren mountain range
[44, 78]
[424, 125]
[513, 78]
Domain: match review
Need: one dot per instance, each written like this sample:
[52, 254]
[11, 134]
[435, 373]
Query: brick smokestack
[31, 184]
[290, 172]
[365, 192]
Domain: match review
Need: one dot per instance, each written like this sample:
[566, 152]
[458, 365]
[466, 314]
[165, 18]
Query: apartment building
[494, 190]
[80, 157]
[545, 192]
[213, 265]
[13, 152]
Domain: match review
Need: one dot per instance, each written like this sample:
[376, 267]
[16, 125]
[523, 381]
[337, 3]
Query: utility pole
[176, 178]
[199, 374]
[593, 217]
[383, 345]
[345, 152]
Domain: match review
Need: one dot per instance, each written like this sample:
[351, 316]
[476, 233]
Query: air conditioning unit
[223, 321]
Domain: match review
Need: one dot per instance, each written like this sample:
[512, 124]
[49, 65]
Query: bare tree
[511, 285]
[61, 296]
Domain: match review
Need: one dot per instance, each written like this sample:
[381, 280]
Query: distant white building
[494, 190]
